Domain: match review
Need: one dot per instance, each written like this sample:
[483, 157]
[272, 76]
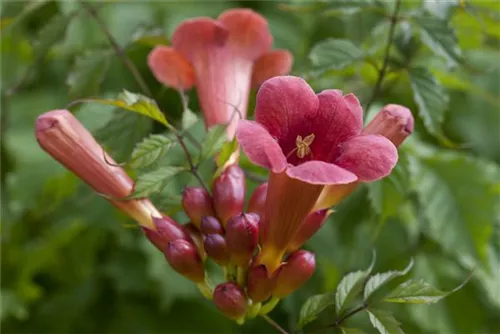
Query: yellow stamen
[303, 148]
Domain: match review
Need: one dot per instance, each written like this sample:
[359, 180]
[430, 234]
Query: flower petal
[259, 146]
[271, 64]
[195, 35]
[319, 172]
[171, 68]
[338, 119]
[248, 32]
[370, 157]
[286, 106]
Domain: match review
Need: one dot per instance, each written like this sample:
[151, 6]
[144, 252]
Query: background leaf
[334, 53]
[88, 73]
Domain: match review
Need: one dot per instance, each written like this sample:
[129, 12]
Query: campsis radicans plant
[314, 146]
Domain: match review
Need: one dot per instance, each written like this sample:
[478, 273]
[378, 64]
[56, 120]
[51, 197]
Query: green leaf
[431, 99]
[228, 148]
[213, 141]
[154, 181]
[378, 280]
[384, 322]
[345, 330]
[334, 54]
[441, 9]
[136, 103]
[418, 292]
[457, 199]
[314, 306]
[350, 286]
[50, 34]
[189, 118]
[149, 37]
[440, 38]
[89, 71]
[149, 150]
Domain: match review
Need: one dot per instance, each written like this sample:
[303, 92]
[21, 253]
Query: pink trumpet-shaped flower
[223, 58]
[307, 141]
[62, 136]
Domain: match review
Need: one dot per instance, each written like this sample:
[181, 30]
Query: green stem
[269, 306]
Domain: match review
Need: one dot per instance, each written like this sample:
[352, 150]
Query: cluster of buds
[221, 230]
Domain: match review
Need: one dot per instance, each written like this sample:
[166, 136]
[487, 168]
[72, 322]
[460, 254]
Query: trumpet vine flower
[307, 141]
[223, 58]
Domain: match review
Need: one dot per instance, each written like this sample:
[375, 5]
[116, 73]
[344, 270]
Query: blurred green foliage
[70, 262]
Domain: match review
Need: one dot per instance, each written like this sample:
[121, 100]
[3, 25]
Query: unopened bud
[259, 285]
[197, 239]
[242, 236]
[230, 300]
[184, 258]
[197, 203]
[166, 230]
[211, 225]
[309, 227]
[257, 201]
[298, 268]
[229, 193]
[216, 248]
[394, 122]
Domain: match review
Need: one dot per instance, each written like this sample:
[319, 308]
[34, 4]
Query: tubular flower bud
[259, 285]
[230, 300]
[242, 236]
[309, 227]
[184, 258]
[197, 203]
[216, 248]
[211, 225]
[62, 136]
[165, 230]
[229, 193]
[197, 239]
[257, 202]
[298, 268]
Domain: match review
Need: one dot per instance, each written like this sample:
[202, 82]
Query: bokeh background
[72, 264]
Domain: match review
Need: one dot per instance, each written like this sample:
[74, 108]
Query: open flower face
[307, 141]
[223, 58]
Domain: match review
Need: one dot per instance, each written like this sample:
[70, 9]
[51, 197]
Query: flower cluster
[314, 145]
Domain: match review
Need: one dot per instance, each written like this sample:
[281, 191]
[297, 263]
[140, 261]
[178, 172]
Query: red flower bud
[211, 225]
[166, 230]
[197, 203]
[242, 236]
[216, 248]
[309, 227]
[196, 238]
[229, 193]
[230, 300]
[259, 285]
[294, 273]
[258, 200]
[184, 258]
[394, 122]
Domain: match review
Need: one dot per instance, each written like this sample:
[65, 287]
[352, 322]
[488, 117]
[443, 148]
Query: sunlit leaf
[213, 141]
[136, 103]
[418, 292]
[431, 98]
[154, 181]
[227, 149]
[314, 306]
[149, 150]
[378, 280]
[441, 9]
[384, 322]
[351, 286]
[440, 37]
[334, 54]
[189, 118]
[89, 71]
